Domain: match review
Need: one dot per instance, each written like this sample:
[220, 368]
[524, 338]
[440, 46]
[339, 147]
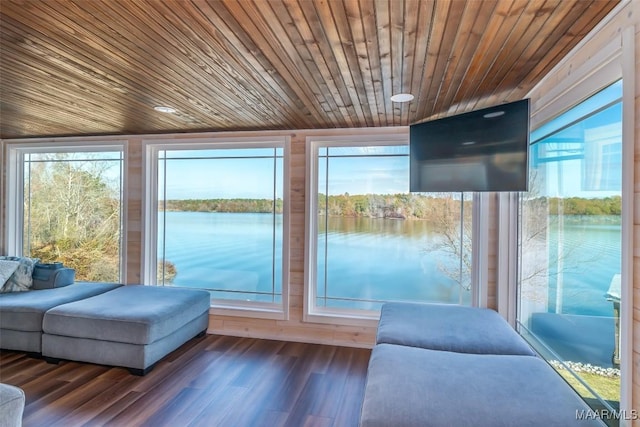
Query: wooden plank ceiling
[88, 67]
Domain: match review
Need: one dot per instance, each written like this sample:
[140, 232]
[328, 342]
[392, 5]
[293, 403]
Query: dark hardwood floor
[210, 381]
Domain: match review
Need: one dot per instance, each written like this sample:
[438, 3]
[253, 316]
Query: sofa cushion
[133, 314]
[21, 279]
[410, 386]
[24, 311]
[449, 328]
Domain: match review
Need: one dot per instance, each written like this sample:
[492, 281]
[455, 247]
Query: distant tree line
[400, 206]
[222, 205]
[397, 206]
[421, 206]
[580, 206]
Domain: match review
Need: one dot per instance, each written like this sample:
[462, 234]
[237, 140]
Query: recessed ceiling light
[402, 97]
[164, 109]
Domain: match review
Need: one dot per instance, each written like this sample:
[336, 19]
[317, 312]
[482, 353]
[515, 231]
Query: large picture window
[371, 241]
[221, 221]
[68, 207]
[570, 241]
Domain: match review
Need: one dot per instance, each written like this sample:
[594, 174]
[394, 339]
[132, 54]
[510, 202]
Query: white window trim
[369, 318]
[14, 197]
[480, 250]
[507, 259]
[150, 149]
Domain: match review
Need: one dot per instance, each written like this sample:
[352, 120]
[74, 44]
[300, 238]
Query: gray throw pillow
[21, 279]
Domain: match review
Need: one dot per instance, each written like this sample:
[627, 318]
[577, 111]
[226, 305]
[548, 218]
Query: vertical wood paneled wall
[294, 329]
[610, 33]
[134, 212]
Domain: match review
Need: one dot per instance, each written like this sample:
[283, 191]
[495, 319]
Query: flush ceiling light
[164, 109]
[402, 97]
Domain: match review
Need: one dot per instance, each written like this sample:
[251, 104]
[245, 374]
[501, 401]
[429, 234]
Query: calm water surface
[373, 259]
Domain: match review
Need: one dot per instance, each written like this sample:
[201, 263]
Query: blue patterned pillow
[21, 279]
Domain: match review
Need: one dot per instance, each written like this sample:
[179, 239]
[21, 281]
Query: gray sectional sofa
[12, 402]
[131, 326]
[442, 365]
[22, 313]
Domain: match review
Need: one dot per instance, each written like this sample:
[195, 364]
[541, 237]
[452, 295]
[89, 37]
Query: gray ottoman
[449, 328]
[416, 387]
[133, 326]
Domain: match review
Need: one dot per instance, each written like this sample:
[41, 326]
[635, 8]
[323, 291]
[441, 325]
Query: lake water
[592, 256]
[372, 259]
[231, 252]
[386, 259]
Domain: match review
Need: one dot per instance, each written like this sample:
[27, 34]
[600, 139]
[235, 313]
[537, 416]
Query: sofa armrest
[12, 403]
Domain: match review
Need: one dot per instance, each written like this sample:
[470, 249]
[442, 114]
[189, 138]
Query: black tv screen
[483, 150]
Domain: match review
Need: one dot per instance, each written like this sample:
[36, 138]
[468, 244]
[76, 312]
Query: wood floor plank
[111, 393]
[171, 384]
[220, 407]
[106, 415]
[210, 381]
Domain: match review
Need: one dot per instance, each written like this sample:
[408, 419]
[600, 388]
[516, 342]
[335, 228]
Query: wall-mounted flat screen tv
[483, 150]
